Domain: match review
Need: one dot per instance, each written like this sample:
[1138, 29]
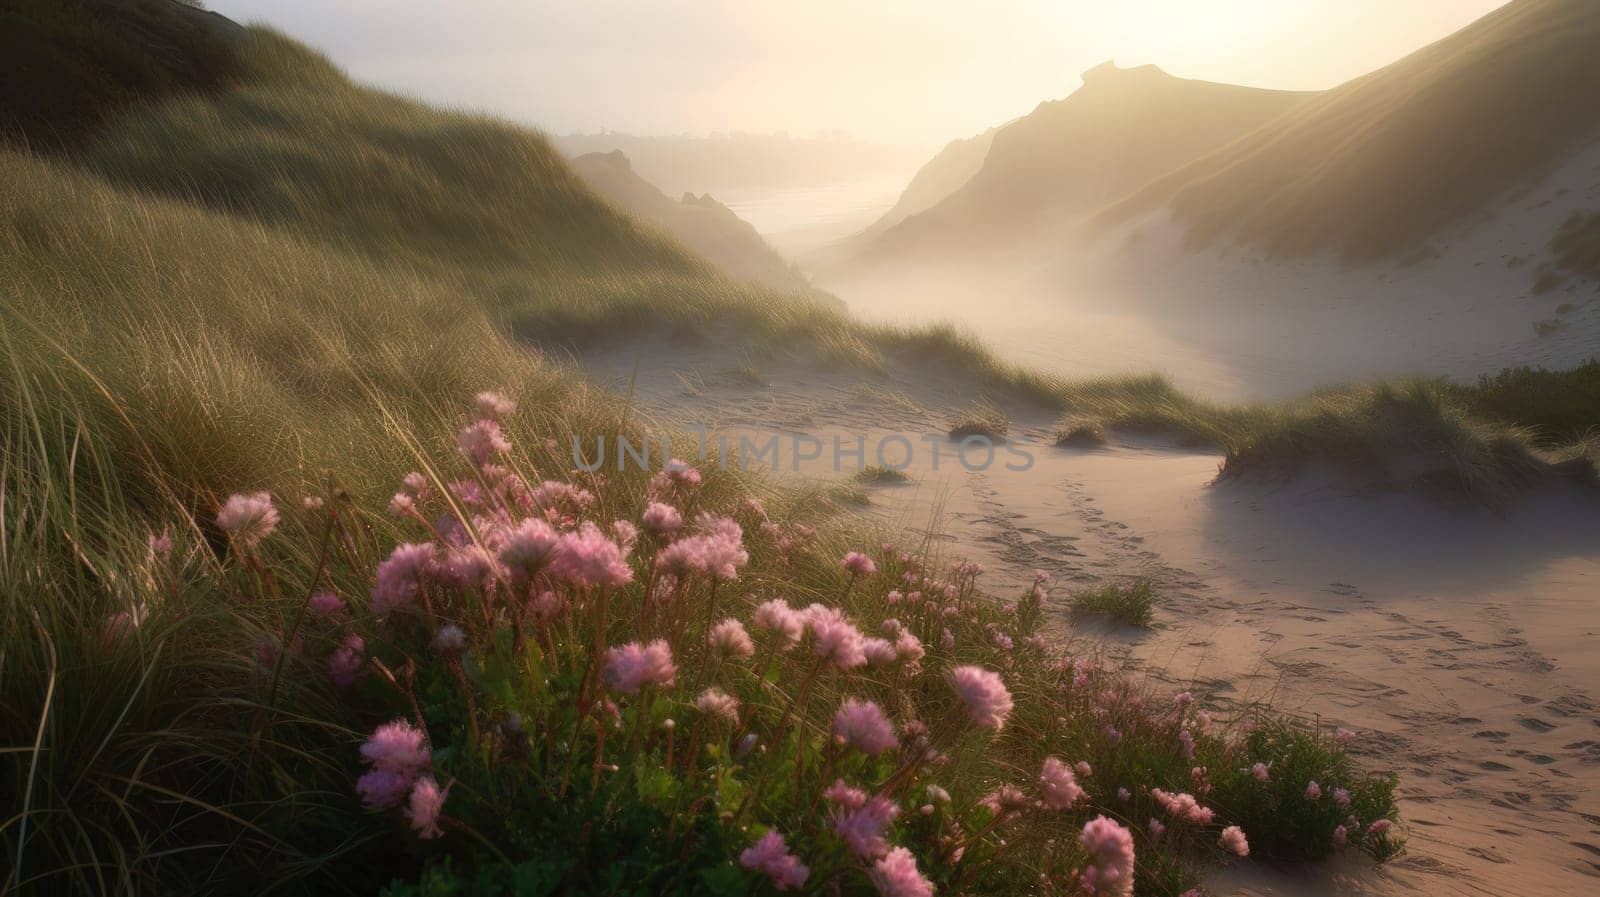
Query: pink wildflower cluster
[715, 550]
[248, 519]
[397, 753]
[1183, 806]
[777, 617]
[771, 857]
[863, 827]
[862, 725]
[1110, 848]
[985, 695]
[1059, 785]
[719, 704]
[661, 519]
[729, 637]
[834, 638]
[896, 875]
[481, 441]
[632, 666]
[587, 558]
[858, 564]
[400, 577]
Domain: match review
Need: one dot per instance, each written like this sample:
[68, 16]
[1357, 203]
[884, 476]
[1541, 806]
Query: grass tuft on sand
[1132, 604]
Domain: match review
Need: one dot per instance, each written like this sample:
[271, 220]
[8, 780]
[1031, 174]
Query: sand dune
[1379, 164]
[1122, 128]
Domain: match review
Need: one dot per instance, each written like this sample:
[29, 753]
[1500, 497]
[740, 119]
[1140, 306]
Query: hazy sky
[921, 71]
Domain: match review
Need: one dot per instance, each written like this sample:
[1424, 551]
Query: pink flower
[862, 725]
[771, 857]
[947, 640]
[1233, 841]
[493, 405]
[427, 798]
[630, 666]
[1379, 827]
[858, 564]
[160, 545]
[325, 605]
[1341, 797]
[248, 518]
[908, 647]
[587, 558]
[1006, 801]
[730, 637]
[346, 661]
[863, 828]
[879, 652]
[1343, 735]
[1124, 795]
[1341, 836]
[896, 875]
[845, 795]
[1186, 744]
[716, 550]
[1261, 771]
[482, 441]
[1110, 847]
[553, 494]
[528, 547]
[402, 505]
[661, 519]
[1313, 790]
[779, 618]
[1157, 828]
[718, 703]
[1059, 785]
[397, 747]
[400, 576]
[381, 790]
[1183, 806]
[985, 694]
[834, 638]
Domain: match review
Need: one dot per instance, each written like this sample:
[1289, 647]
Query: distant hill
[944, 174]
[1069, 157]
[726, 163]
[700, 223]
[1377, 165]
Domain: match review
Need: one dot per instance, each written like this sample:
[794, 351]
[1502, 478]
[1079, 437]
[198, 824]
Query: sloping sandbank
[1458, 644]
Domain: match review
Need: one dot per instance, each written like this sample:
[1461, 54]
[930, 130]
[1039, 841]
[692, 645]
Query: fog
[896, 71]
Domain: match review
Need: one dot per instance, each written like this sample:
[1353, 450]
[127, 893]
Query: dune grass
[878, 475]
[1131, 605]
[981, 418]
